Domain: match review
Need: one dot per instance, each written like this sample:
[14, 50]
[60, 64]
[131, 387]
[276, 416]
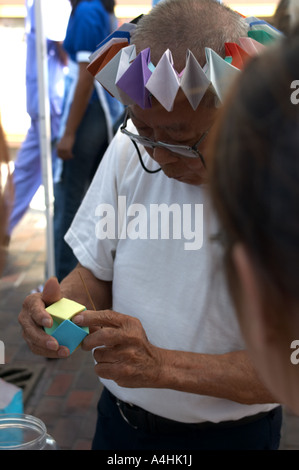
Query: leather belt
[138, 418]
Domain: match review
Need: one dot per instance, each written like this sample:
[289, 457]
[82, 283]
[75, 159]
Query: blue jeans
[27, 175]
[89, 147]
[114, 433]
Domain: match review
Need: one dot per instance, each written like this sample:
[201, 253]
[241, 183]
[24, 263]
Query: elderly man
[163, 333]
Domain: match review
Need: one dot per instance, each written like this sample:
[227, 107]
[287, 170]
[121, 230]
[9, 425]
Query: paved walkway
[63, 393]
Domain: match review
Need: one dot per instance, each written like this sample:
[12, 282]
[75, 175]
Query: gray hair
[180, 25]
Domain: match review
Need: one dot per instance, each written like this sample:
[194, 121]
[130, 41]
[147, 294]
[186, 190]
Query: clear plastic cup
[24, 432]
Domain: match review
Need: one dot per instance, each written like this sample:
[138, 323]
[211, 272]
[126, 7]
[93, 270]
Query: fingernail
[46, 322]
[52, 345]
[63, 352]
[78, 319]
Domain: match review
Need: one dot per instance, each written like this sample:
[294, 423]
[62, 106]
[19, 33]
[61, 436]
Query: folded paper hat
[133, 79]
[137, 91]
[109, 76]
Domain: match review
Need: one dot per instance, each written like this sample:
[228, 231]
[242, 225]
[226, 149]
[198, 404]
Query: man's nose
[164, 156]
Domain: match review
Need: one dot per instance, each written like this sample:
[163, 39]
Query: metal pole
[45, 135]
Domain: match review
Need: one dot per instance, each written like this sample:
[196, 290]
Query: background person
[27, 169]
[87, 123]
[254, 183]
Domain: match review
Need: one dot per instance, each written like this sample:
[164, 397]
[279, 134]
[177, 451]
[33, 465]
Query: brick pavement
[66, 392]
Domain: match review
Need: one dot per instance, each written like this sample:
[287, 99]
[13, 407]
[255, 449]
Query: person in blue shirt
[27, 172]
[87, 123]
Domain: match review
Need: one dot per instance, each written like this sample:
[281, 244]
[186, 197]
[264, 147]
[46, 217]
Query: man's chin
[194, 181]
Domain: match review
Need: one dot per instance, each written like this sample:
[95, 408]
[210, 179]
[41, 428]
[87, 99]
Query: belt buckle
[119, 403]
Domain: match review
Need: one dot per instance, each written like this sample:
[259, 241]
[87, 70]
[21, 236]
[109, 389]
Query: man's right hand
[33, 318]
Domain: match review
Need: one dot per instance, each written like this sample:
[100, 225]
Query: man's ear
[253, 315]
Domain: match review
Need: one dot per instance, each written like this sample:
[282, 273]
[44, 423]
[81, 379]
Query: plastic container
[24, 432]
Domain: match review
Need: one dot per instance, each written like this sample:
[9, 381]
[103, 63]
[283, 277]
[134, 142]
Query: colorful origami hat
[133, 79]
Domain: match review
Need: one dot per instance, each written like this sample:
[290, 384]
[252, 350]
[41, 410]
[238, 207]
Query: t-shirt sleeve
[93, 234]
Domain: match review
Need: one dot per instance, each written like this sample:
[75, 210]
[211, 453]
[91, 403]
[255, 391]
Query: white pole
[45, 134]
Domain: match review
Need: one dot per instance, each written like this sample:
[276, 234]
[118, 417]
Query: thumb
[51, 292]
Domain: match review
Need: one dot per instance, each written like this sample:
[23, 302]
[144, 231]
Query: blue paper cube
[64, 330]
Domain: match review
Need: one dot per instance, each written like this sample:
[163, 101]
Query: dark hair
[255, 170]
[281, 19]
[109, 5]
[286, 15]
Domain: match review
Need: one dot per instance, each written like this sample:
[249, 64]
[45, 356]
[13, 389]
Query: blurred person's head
[255, 190]
[286, 15]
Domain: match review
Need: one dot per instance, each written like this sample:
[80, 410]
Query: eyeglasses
[180, 150]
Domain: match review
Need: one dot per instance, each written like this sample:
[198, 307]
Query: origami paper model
[134, 79]
[192, 80]
[105, 56]
[64, 330]
[111, 73]
[163, 83]
[103, 48]
[238, 55]
[110, 46]
[124, 31]
[256, 24]
[228, 59]
[251, 46]
[261, 36]
[220, 73]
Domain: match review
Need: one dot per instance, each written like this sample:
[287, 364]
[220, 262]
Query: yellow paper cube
[65, 309]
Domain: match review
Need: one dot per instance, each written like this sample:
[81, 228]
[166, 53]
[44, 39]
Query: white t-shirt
[174, 285]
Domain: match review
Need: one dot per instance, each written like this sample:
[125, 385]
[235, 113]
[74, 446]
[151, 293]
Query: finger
[51, 292]
[122, 374]
[42, 343]
[34, 310]
[107, 337]
[103, 355]
[32, 318]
